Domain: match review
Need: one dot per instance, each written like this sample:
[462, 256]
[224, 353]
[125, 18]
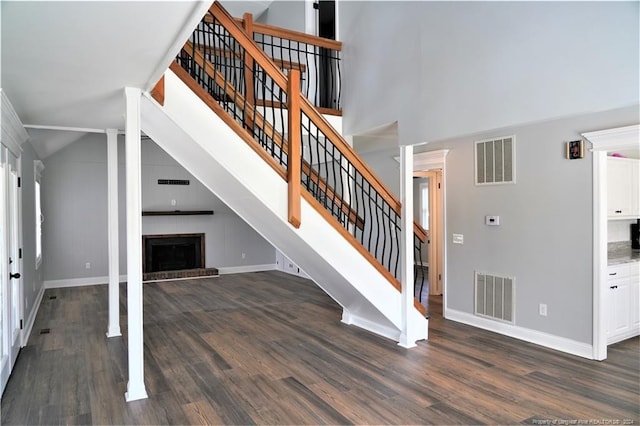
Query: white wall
[545, 236]
[445, 69]
[75, 209]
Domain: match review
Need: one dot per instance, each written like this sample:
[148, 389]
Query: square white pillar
[113, 329]
[408, 334]
[135, 387]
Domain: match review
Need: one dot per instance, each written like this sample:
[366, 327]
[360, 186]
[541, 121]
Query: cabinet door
[619, 314]
[619, 188]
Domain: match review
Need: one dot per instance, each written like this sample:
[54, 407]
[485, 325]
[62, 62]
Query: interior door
[434, 205]
[436, 216]
[15, 261]
[435, 231]
[10, 266]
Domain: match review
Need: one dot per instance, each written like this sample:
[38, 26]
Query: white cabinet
[623, 302]
[623, 201]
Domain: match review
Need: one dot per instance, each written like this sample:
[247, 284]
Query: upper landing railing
[225, 67]
[317, 59]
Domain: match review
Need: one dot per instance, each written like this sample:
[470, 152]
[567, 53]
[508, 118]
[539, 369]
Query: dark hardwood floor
[269, 348]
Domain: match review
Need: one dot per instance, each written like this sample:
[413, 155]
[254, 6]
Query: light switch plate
[458, 239]
[492, 220]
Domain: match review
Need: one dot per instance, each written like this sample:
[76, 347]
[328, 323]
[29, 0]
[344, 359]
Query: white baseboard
[26, 333]
[562, 344]
[245, 269]
[80, 282]
[633, 332]
[381, 330]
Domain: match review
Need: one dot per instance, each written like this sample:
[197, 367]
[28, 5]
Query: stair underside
[188, 130]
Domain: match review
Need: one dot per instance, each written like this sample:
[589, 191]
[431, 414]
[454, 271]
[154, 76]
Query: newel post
[294, 154]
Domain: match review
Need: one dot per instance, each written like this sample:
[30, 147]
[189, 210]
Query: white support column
[407, 336]
[135, 388]
[112, 226]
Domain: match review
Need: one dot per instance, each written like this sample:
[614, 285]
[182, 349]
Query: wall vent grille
[173, 181]
[495, 161]
[495, 297]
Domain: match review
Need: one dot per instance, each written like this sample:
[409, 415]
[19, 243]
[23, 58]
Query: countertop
[621, 252]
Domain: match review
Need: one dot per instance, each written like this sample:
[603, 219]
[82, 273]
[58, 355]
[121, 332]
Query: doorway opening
[603, 141]
[429, 200]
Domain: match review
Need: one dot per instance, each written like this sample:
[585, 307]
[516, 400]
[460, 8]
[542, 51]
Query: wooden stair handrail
[355, 159]
[306, 105]
[278, 77]
[251, 48]
[259, 56]
[230, 54]
[239, 100]
[292, 35]
[278, 139]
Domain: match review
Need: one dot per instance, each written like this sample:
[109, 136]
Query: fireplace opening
[174, 252]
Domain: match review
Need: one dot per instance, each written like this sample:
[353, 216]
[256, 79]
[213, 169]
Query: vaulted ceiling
[65, 64]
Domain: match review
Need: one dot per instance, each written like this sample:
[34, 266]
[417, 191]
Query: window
[424, 205]
[38, 167]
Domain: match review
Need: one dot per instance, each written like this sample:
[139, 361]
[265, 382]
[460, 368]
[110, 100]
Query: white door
[10, 265]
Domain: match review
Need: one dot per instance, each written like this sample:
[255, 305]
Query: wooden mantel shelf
[177, 212]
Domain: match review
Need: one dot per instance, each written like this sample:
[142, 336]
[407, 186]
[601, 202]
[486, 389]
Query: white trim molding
[614, 139]
[350, 319]
[26, 333]
[13, 134]
[80, 282]
[245, 269]
[430, 159]
[603, 141]
[562, 344]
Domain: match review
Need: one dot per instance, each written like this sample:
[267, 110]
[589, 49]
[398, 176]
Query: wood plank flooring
[269, 348]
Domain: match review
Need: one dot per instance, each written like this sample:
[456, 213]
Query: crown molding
[613, 139]
[13, 133]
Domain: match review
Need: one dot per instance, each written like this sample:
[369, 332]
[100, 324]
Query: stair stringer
[188, 130]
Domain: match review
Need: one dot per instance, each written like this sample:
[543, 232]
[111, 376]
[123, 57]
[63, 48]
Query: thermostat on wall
[492, 220]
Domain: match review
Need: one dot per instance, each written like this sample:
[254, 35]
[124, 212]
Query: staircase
[227, 112]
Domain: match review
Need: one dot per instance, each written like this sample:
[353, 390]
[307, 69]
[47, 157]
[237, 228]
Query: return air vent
[173, 182]
[494, 297]
[495, 161]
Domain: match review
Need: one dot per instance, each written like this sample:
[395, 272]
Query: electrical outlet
[87, 265]
[458, 239]
[243, 255]
[543, 309]
[174, 202]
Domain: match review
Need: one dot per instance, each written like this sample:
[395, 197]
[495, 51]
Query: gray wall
[31, 278]
[285, 14]
[445, 69]
[75, 209]
[545, 236]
